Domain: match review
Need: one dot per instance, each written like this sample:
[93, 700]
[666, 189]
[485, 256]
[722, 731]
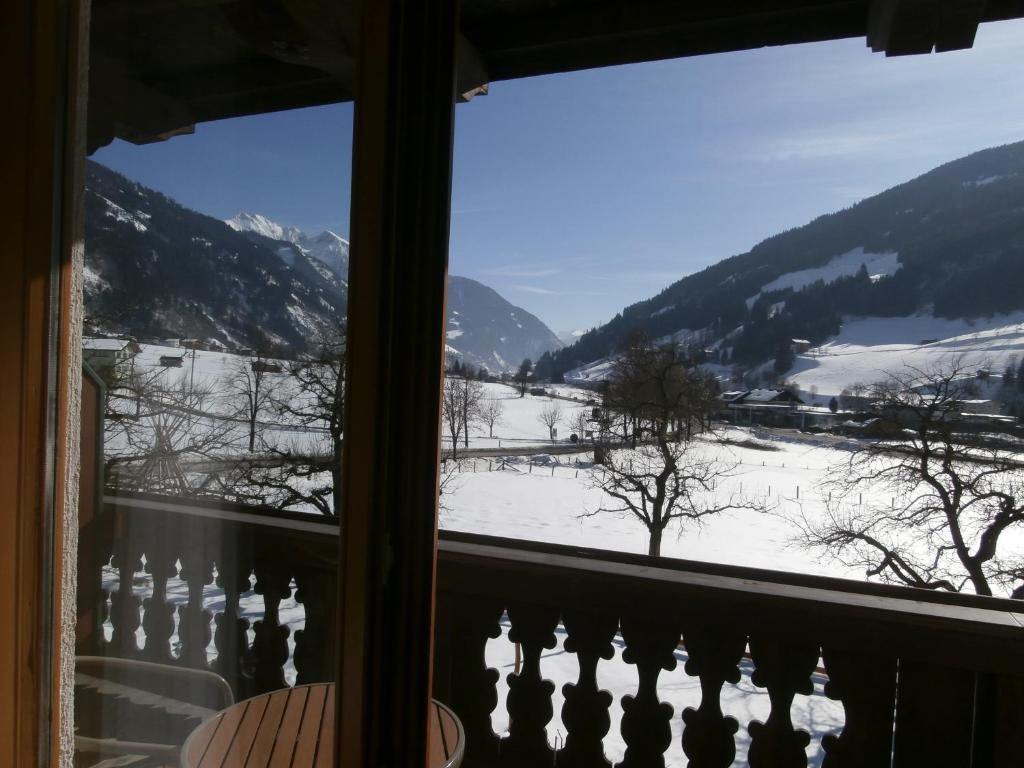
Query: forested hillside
[952, 241]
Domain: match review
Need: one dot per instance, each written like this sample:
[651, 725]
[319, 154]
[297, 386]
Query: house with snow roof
[110, 358]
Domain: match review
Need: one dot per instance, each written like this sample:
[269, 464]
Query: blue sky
[575, 195]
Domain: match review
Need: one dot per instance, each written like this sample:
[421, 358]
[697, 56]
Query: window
[216, 295]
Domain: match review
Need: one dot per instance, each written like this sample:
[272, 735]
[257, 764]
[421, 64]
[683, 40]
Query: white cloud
[830, 146]
[535, 289]
[523, 270]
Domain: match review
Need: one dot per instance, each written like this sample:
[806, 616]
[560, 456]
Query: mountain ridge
[155, 269]
[951, 241]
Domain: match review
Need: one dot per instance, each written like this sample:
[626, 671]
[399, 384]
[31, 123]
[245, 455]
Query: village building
[111, 359]
[172, 361]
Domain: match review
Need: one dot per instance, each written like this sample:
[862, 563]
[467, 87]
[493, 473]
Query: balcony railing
[923, 678]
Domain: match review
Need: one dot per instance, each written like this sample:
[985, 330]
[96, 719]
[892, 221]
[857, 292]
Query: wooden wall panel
[39, 196]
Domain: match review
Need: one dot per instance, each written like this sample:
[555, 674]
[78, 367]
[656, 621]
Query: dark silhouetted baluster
[315, 642]
[158, 613]
[935, 717]
[713, 655]
[529, 695]
[866, 684]
[197, 571]
[465, 624]
[270, 646]
[783, 665]
[124, 603]
[234, 568]
[646, 720]
[585, 712]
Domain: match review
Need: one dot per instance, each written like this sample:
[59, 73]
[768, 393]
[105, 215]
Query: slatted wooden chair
[135, 714]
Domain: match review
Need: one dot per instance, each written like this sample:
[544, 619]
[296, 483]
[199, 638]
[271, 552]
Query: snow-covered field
[866, 349]
[520, 422]
[545, 502]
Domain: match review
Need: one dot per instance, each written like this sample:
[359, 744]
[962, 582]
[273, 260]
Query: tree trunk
[654, 547]
[252, 433]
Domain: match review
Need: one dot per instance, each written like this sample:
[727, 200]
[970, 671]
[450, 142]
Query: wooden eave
[161, 66]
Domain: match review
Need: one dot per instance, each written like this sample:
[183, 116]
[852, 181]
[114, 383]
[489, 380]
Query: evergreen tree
[544, 369]
[833, 404]
[523, 375]
[784, 359]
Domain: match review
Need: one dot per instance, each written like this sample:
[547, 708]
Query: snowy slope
[878, 265]
[866, 349]
[261, 225]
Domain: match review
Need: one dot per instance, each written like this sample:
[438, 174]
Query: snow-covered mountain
[485, 329]
[155, 269]
[934, 257]
[261, 225]
[327, 247]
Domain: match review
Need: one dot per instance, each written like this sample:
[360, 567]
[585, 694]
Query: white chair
[136, 714]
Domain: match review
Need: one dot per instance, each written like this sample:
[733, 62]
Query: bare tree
[310, 399]
[852, 397]
[251, 389]
[580, 424]
[937, 502]
[663, 484]
[550, 416]
[491, 411]
[162, 435]
[667, 479]
[460, 399]
[448, 472]
[472, 397]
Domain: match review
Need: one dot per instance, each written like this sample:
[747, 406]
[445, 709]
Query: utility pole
[192, 375]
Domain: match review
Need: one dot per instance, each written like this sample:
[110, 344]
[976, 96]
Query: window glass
[760, 309]
[216, 287]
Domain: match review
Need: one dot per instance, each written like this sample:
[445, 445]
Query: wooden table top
[294, 728]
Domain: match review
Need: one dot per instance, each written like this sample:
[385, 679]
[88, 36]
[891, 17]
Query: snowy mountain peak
[261, 225]
[327, 247]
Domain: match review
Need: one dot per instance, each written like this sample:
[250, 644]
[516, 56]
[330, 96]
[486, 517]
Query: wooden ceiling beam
[471, 71]
[540, 42]
[908, 27]
[122, 107]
